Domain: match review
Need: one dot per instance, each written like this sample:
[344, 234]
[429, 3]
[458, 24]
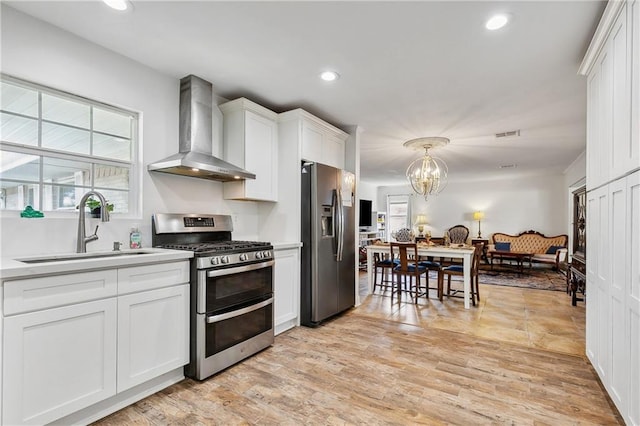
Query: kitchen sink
[81, 256]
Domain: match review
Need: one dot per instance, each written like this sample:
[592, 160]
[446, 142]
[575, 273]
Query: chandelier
[427, 175]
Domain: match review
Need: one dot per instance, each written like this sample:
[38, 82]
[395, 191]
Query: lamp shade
[421, 219]
[478, 215]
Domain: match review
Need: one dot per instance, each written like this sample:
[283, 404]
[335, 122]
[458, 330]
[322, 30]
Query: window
[398, 208]
[54, 147]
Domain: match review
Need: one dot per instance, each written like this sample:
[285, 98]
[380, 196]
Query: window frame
[398, 199]
[133, 164]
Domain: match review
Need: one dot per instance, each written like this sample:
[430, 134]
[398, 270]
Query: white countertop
[11, 268]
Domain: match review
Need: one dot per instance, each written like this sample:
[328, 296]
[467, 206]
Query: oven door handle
[238, 269]
[232, 314]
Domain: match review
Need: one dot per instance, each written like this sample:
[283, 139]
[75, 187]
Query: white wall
[510, 206]
[41, 53]
[368, 191]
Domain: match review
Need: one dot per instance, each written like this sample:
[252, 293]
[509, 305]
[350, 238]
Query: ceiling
[407, 70]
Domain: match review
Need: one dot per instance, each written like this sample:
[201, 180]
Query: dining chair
[459, 271]
[458, 234]
[408, 266]
[431, 265]
[382, 266]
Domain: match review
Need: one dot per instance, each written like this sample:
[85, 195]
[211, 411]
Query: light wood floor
[517, 358]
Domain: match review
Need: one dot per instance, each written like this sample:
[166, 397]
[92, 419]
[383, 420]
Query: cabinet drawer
[58, 290]
[149, 277]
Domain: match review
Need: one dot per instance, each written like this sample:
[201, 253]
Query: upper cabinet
[251, 142]
[613, 95]
[319, 141]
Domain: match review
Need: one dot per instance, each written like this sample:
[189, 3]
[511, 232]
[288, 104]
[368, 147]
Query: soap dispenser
[135, 239]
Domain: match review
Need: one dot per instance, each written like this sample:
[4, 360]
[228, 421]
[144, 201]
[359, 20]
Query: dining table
[463, 252]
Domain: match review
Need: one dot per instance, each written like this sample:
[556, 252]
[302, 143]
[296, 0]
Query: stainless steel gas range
[231, 289]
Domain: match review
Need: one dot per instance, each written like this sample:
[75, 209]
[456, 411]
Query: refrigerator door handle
[340, 211]
[336, 224]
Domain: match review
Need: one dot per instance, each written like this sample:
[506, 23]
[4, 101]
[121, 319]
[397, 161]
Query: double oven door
[234, 315]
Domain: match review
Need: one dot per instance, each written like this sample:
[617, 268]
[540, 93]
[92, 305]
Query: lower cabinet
[153, 334]
[613, 291]
[58, 361]
[286, 288]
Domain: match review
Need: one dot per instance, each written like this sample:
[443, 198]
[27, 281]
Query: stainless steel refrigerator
[328, 251]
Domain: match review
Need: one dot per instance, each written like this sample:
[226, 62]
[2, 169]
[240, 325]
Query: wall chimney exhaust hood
[195, 157]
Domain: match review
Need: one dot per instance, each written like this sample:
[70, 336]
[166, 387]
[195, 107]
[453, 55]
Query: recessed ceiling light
[496, 22]
[117, 4]
[329, 76]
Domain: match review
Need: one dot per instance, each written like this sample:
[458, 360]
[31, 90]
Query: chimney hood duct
[195, 157]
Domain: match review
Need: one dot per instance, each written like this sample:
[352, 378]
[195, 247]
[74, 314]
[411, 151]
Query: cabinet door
[287, 283]
[312, 139]
[261, 157]
[633, 296]
[597, 338]
[618, 236]
[333, 151]
[621, 149]
[58, 361]
[153, 334]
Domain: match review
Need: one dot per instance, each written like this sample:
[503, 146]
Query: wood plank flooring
[517, 358]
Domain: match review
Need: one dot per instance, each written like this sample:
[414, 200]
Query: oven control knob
[267, 254]
[214, 260]
[243, 256]
[259, 255]
[224, 259]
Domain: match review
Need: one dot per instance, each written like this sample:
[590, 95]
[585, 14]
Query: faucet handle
[96, 231]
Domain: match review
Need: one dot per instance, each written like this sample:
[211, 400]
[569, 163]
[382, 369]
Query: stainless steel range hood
[195, 157]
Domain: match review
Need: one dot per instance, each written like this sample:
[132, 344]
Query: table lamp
[421, 221]
[478, 216]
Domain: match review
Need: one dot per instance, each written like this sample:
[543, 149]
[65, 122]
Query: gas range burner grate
[218, 246]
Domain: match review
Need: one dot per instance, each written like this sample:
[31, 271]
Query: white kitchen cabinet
[58, 361]
[74, 342]
[318, 140]
[286, 288]
[251, 142]
[153, 334]
[613, 148]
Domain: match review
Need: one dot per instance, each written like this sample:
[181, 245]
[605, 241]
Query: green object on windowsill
[29, 212]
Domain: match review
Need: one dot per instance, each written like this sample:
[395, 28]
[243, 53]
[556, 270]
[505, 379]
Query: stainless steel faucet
[81, 246]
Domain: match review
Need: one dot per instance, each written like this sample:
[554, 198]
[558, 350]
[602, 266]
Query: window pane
[396, 223]
[17, 196]
[119, 199]
[18, 99]
[398, 209]
[65, 111]
[18, 129]
[112, 123]
[19, 166]
[111, 177]
[67, 172]
[111, 147]
[65, 138]
[57, 197]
